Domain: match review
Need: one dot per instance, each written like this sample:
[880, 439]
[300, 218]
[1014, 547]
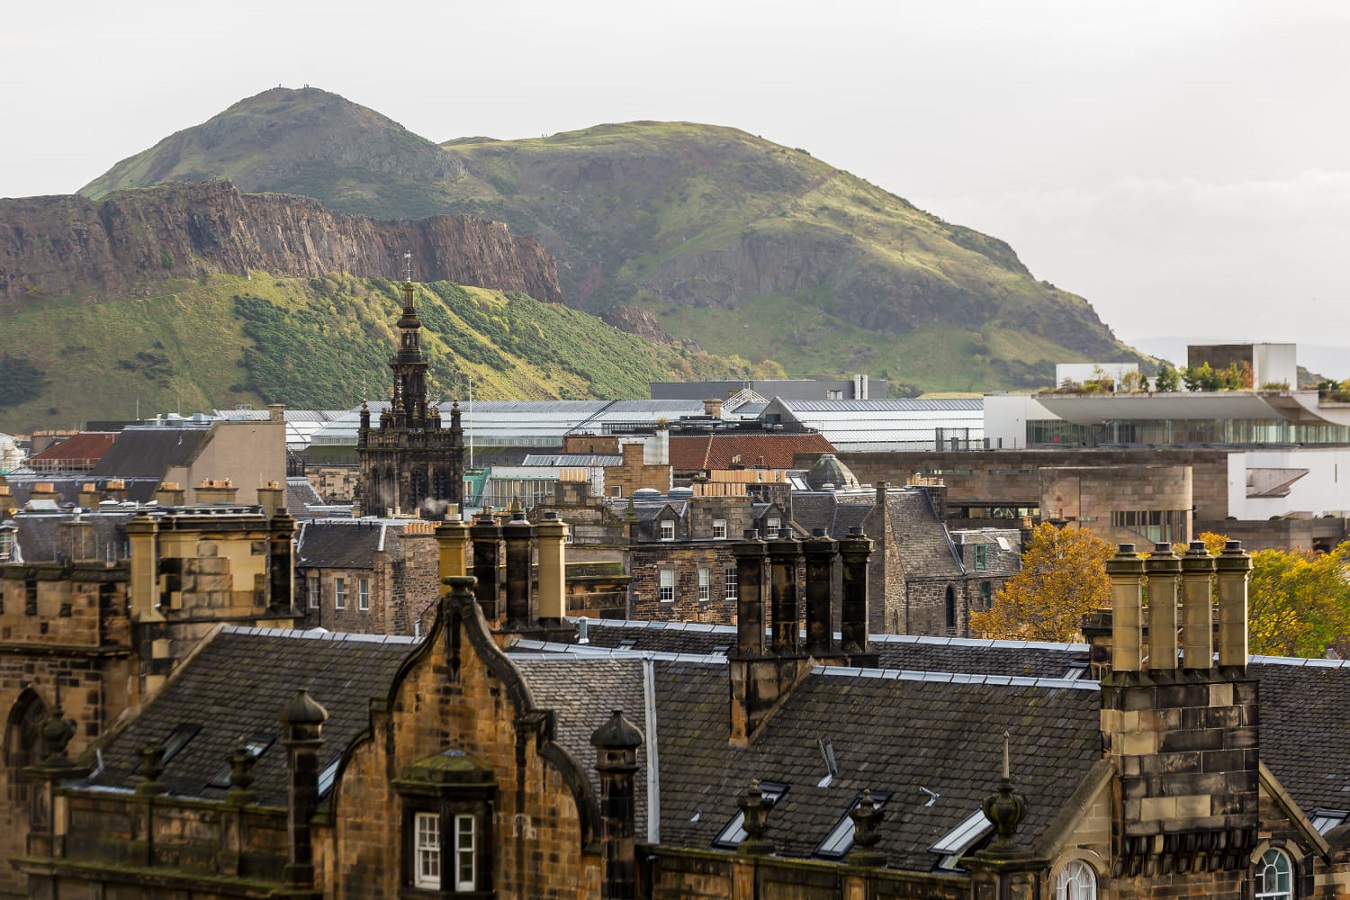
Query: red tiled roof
[85, 446]
[705, 453]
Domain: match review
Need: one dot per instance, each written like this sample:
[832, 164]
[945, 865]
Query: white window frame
[427, 847]
[667, 529]
[730, 584]
[466, 850]
[312, 587]
[666, 581]
[363, 594]
[1278, 864]
[339, 593]
[772, 526]
[704, 585]
[1076, 881]
[719, 529]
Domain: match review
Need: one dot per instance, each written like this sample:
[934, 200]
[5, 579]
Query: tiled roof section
[139, 490]
[149, 452]
[1305, 735]
[890, 735]
[583, 692]
[339, 543]
[921, 539]
[661, 637]
[85, 446]
[835, 512]
[236, 685]
[706, 452]
[300, 495]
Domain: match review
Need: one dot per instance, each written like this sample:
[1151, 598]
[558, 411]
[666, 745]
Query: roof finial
[407, 267]
[1005, 808]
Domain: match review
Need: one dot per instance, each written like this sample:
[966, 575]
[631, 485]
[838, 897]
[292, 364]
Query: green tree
[1298, 601]
[1063, 577]
[1167, 380]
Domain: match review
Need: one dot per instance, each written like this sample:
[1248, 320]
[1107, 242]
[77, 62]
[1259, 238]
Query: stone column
[616, 744]
[552, 569]
[302, 734]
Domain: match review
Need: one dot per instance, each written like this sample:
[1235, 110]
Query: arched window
[951, 607]
[23, 737]
[1076, 881]
[1274, 876]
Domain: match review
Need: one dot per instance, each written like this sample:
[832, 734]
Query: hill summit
[703, 232]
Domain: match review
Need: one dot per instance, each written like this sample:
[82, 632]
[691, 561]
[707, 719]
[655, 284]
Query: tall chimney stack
[1163, 568]
[1126, 569]
[1234, 566]
[1197, 619]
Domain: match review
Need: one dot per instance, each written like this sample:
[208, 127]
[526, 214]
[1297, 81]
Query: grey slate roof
[889, 734]
[1305, 735]
[339, 544]
[921, 539]
[835, 512]
[236, 685]
[149, 452]
[39, 536]
[300, 495]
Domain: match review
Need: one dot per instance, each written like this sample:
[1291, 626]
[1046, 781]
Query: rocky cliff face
[55, 246]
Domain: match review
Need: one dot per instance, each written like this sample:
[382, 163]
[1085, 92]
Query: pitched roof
[236, 684]
[921, 538]
[935, 746]
[707, 452]
[149, 452]
[340, 543]
[86, 446]
[832, 511]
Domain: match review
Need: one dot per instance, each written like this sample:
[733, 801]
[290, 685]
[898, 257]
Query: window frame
[339, 593]
[313, 587]
[427, 848]
[667, 527]
[704, 584]
[665, 592]
[980, 554]
[1267, 861]
[731, 586]
[719, 529]
[1072, 878]
[363, 594]
[463, 884]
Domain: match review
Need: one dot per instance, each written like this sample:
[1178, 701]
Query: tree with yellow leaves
[1063, 577]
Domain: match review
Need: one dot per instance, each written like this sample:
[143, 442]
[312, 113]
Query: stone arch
[23, 743]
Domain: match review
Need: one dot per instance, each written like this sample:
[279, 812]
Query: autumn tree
[1063, 577]
[1298, 601]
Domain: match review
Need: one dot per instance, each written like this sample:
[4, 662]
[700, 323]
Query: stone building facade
[410, 463]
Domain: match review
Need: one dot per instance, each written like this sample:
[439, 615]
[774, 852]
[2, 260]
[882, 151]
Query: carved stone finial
[152, 766]
[241, 774]
[755, 820]
[1005, 808]
[867, 817]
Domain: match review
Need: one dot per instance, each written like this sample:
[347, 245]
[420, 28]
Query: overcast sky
[1183, 165]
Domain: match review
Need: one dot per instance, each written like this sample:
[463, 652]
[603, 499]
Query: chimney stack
[616, 744]
[116, 489]
[302, 734]
[89, 496]
[1126, 569]
[1197, 618]
[487, 538]
[749, 554]
[1163, 568]
[453, 537]
[170, 493]
[552, 569]
[216, 490]
[854, 550]
[272, 497]
[712, 408]
[1234, 567]
[820, 553]
[520, 604]
[785, 555]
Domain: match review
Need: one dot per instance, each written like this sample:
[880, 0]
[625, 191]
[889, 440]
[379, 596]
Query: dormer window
[667, 529]
[772, 525]
[448, 804]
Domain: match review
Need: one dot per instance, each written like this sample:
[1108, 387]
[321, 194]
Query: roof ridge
[318, 634]
[956, 678]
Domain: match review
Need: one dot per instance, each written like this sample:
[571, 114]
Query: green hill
[322, 343]
[742, 245]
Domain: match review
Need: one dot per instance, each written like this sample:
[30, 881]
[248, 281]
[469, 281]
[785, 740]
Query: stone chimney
[487, 547]
[216, 490]
[521, 610]
[43, 490]
[116, 489]
[1184, 743]
[616, 744]
[302, 735]
[750, 554]
[89, 496]
[552, 533]
[171, 493]
[785, 556]
[820, 553]
[7, 502]
[281, 562]
[712, 408]
[453, 538]
[276, 412]
[855, 551]
[272, 497]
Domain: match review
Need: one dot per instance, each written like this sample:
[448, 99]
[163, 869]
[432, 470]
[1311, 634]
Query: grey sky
[1184, 166]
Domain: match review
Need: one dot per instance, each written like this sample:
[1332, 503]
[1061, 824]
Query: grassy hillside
[740, 244]
[311, 343]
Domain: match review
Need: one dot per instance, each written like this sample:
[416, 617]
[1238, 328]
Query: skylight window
[731, 836]
[328, 774]
[1326, 819]
[174, 743]
[840, 839]
[954, 844]
[256, 746]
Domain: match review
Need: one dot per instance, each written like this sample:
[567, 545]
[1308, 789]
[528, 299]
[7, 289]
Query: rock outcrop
[68, 245]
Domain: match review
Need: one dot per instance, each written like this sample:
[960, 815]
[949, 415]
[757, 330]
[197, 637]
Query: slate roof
[925, 549]
[149, 452]
[339, 543]
[300, 495]
[890, 733]
[39, 535]
[583, 692]
[705, 452]
[236, 685]
[1305, 735]
[139, 490]
[832, 511]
